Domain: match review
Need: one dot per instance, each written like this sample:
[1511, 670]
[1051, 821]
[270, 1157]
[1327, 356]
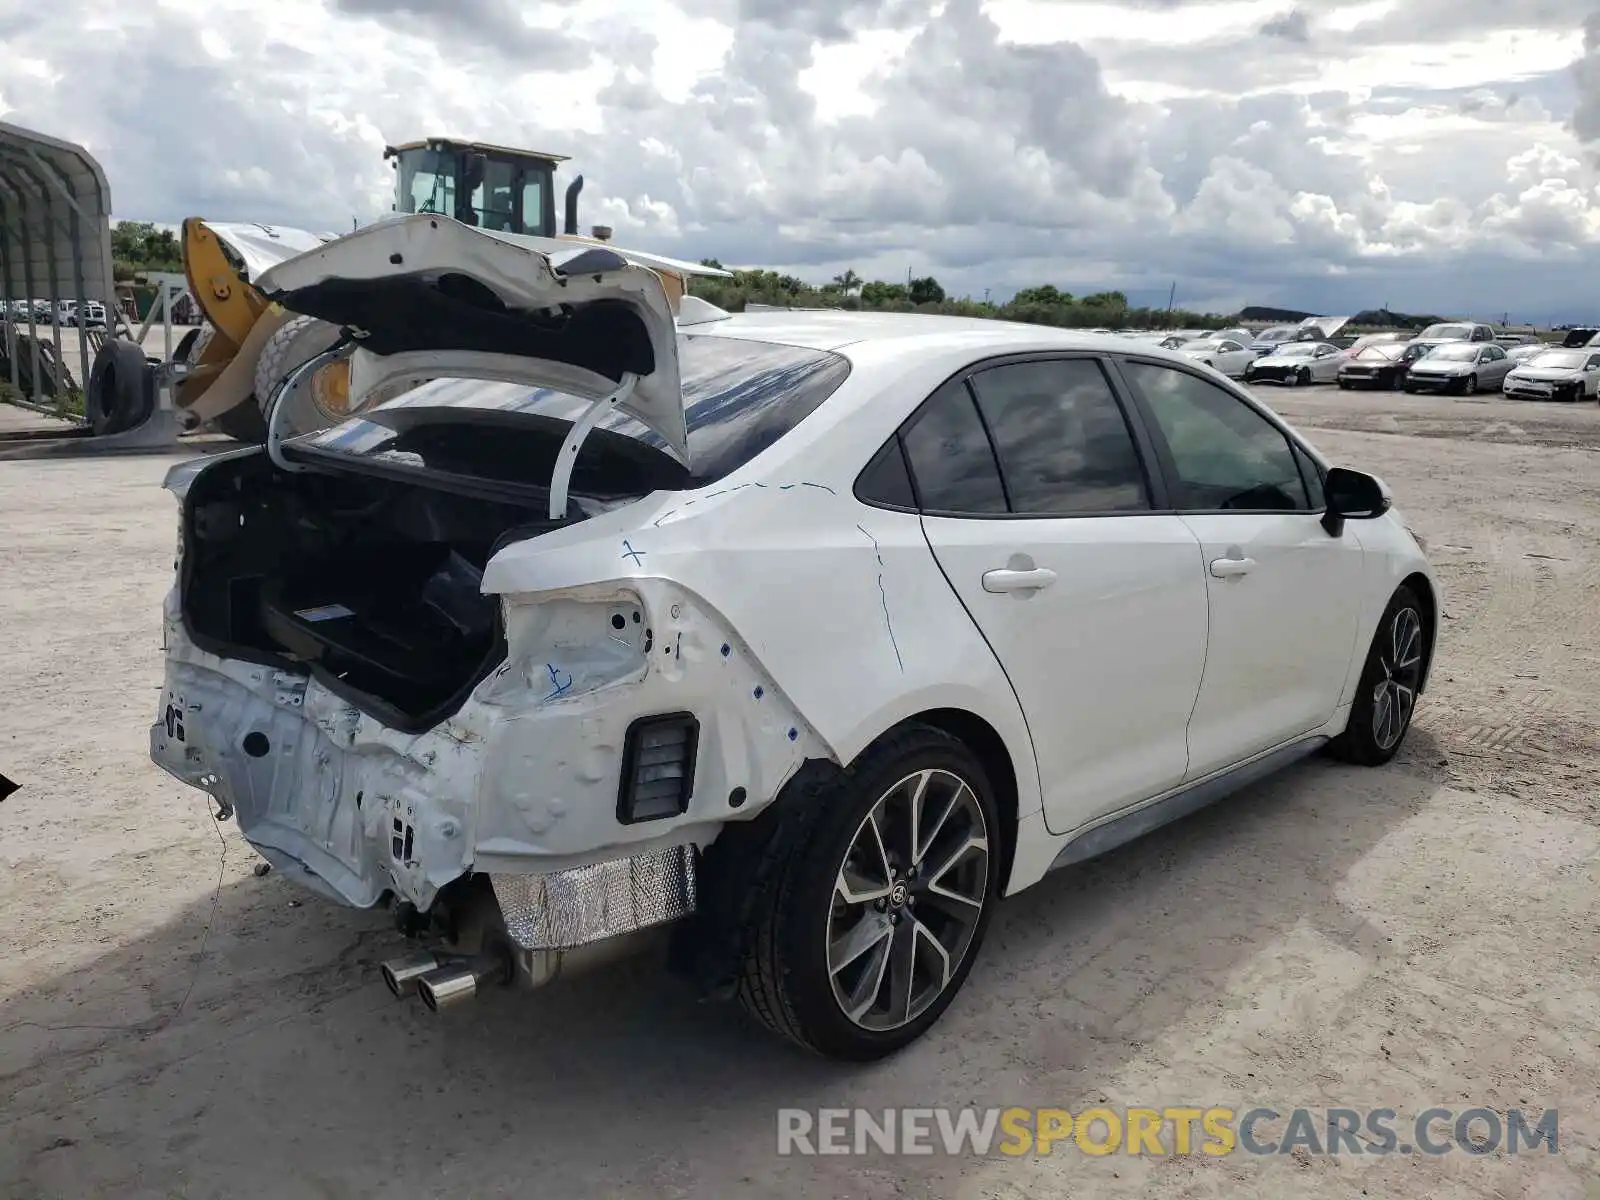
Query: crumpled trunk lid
[423, 295]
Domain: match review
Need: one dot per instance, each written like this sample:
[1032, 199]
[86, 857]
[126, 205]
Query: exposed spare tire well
[370, 585]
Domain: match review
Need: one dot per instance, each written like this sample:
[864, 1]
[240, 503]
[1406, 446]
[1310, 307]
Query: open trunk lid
[423, 295]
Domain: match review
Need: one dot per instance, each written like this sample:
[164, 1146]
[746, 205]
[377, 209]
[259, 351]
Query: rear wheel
[1386, 695]
[870, 920]
[1471, 389]
[1302, 377]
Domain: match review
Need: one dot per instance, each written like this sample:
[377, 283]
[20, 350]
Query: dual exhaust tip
[444, 981]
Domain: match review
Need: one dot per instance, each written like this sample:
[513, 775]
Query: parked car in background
[1456, 331]
[1527, 350]
[1235, 334]
[1268, 340]
[1382, 365]
[1464, 367]
[1580, 335]
[1391, 337]
[90, 314]
[1556, 374]
[1297, 363]
[1227, 355]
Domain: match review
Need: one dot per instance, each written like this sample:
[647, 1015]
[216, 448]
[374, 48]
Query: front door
[1284, 595]
[1037, 506]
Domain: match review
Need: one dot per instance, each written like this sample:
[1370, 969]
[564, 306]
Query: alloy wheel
[1396, 693]
[907, 899]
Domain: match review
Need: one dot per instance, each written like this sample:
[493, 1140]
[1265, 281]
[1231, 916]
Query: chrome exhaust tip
[459, 982]
[400, 975]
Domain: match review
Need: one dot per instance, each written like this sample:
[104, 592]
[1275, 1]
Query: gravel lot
[1421, 935]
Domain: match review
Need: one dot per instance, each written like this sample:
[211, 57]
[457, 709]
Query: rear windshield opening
[740, 397]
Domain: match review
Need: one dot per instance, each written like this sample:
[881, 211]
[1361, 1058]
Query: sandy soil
[1418, 935]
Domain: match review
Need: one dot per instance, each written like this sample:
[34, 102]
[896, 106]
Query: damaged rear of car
[505, 746]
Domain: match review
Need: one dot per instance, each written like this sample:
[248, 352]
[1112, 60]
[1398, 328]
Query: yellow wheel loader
[247, 345]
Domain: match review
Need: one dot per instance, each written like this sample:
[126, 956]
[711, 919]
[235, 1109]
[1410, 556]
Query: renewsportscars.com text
[1163, 1131]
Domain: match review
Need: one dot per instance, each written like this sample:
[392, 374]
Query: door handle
[1232, 568]
[1010, 580]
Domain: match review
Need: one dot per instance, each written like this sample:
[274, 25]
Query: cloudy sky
[1437, 155]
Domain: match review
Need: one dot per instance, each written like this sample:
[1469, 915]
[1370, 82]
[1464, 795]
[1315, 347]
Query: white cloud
[1253, 149]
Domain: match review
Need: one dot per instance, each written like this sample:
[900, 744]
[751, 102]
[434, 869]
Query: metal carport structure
[55, 242]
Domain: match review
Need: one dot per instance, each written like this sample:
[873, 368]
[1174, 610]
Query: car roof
[830, 329]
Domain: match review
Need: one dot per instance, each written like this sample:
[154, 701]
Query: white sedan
[1297, 363]
[1228, 355]
[1555, 375]
[797, 638]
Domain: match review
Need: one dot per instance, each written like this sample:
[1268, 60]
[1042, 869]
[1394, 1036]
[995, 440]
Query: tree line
[1041, 305]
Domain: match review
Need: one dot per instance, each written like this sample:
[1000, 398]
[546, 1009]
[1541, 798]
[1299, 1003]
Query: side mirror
[1352, 496]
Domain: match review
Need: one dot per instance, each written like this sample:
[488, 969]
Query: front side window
[1062, 441]
[951, 459]
[1227, 456]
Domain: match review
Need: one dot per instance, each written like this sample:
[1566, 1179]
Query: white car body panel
[1281, 636]
[263, 247]
[1098, 749]
[864, 632]
[523, 273]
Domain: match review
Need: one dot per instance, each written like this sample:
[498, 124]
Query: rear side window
[1062, 441]
[950, 456]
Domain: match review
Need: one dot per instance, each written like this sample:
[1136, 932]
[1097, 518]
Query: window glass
[1227, 455]
[740, 396]
[492, 197]
[1313, 480]
[532, 203]
[885, 480]
[1063, 444]
[951, 459]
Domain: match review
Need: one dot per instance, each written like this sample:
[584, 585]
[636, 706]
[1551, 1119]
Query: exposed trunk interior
[368, 583]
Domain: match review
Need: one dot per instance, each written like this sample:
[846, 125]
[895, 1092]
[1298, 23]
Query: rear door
[1038, 506]
[1284, 595]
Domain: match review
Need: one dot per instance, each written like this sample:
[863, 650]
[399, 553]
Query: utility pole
[1171, 296]
[986, 295]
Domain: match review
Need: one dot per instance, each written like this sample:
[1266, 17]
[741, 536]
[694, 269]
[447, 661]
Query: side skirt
[1182, 802]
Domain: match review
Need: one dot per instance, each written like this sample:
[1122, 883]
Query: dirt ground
[1425, 934]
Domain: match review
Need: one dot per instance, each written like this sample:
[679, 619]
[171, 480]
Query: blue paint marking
[629, 552]
[823, 486]
[726, 649]
[663, 517]
[784, 487]
[793, 734]
[883, 598]
[760, 692]
[555, 680]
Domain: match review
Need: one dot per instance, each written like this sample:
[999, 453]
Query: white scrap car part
[264, 246]
[350, 281]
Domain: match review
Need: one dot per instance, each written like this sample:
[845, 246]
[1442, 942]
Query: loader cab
[491, 187]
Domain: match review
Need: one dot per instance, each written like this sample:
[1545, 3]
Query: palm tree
[848, 282]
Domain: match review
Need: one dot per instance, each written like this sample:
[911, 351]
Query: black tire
[785, 981]
[1302, 377]
[243, 422]
[1367, 740]
[1344, 385]
[122, 388]
[180, 352]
